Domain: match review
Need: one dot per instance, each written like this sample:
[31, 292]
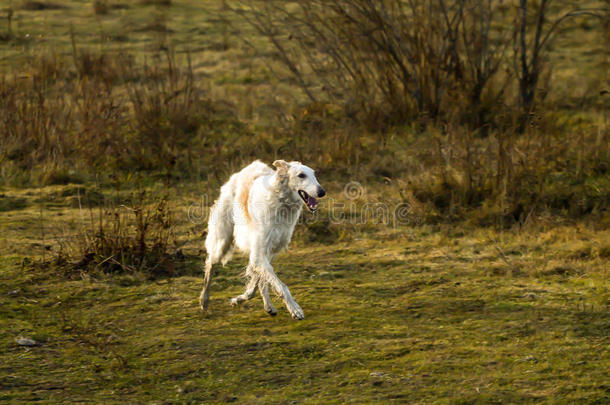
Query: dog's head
[302, 182]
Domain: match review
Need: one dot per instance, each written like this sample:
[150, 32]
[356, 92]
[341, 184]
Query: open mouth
[309, 201]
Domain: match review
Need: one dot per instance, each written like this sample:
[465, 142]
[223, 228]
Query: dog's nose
[321, 192]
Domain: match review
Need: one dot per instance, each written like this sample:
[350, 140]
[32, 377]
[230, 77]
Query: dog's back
[243, 184]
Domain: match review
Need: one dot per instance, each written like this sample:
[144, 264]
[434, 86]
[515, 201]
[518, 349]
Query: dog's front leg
[268, 276]
[263, 287]
[283, 291]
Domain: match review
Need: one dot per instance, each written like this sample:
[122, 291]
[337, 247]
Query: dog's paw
[270, 309]
[296, 312]
[234, 302]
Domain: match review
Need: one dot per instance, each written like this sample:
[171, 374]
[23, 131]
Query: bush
[135, 237]
[474, 62]
[393, 62]
[110, 112]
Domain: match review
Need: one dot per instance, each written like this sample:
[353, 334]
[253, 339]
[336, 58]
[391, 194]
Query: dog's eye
[301, 175]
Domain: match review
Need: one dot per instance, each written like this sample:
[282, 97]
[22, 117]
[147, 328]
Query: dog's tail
[218, 241]
[220, 230]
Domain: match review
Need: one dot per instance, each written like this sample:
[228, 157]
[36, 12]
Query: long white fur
[256, 213]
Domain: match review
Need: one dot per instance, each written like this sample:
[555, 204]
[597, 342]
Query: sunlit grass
[443, 314]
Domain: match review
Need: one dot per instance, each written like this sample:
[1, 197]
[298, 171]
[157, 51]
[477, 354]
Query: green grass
[417, 314]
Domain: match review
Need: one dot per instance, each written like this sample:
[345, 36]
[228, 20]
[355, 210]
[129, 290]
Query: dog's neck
[284, 193]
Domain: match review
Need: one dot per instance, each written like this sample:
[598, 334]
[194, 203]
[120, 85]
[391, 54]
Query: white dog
[256, 213]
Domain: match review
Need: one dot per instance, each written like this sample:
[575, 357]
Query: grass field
[493, 291]
[417, 314]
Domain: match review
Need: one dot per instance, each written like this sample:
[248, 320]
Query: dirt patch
[41, 5]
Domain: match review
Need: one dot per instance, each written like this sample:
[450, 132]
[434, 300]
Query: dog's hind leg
[212, 259]
[204, 297]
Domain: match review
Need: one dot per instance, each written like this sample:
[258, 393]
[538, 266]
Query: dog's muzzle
[310, 202]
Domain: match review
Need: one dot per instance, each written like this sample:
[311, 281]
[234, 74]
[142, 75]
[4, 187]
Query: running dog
[256, 213]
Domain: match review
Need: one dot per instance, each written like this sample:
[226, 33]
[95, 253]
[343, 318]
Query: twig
[42, 230]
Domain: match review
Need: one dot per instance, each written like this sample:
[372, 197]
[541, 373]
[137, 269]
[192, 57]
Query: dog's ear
[282, 171]
[282, 167]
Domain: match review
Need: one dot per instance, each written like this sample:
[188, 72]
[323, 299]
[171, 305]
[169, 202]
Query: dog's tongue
[312, 203]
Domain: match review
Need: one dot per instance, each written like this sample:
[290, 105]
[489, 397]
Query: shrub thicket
[430, 96]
